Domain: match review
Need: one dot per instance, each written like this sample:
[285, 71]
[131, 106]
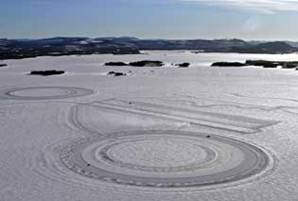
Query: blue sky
[179, 19]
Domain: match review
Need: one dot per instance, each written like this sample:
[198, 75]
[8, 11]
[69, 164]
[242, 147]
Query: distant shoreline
[20, 49]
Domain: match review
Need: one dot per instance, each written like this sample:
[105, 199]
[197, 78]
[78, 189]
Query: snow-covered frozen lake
[197, 133]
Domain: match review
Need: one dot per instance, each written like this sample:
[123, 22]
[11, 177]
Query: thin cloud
[269, 6]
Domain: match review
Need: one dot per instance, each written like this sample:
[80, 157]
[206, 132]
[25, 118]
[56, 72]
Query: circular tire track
[165, 159]
[44, 93]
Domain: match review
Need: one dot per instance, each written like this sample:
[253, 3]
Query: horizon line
[152, 38]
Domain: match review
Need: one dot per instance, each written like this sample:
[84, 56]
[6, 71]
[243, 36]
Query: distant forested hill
[17, 49]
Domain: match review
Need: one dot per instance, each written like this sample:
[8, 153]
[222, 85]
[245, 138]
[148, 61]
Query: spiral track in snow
[44, 93]
[165, 159]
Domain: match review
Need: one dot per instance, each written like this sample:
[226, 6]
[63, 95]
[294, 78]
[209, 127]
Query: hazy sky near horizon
[247, 19]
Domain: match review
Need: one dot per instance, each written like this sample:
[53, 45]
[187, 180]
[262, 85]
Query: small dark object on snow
[228, 64]
[47, 72]
[116, 74]
[3, 65]
[116, 64]
[146, 63]
[183, 65]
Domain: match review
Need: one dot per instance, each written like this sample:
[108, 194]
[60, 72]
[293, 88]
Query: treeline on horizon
[59, 46]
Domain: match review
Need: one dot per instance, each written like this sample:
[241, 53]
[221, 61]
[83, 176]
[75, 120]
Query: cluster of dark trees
[262, 63]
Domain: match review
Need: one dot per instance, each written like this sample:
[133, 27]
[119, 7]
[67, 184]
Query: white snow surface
[40, 116]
